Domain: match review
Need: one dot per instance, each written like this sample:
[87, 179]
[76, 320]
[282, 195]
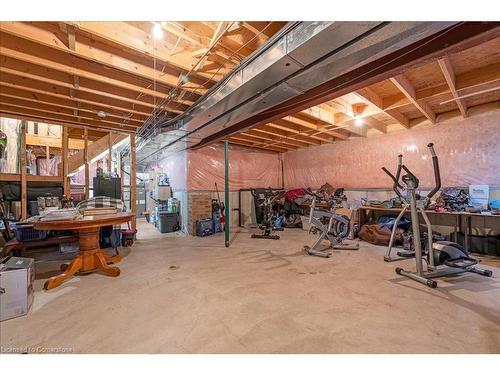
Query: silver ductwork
[305, 56]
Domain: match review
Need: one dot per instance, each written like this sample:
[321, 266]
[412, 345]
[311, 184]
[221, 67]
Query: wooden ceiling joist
[251, 145]
[263, 141]
[449, 75]
[69, 118]
[54, 61]
[287, 125]
[19, 103]
[34, 104]
[82, 97]
[276, 137]
[402, 83]
[371, 96]
[466, 82]
[98, 90]
[42, 98]
[49, 120]
[306, 122]
[287, 133]
[125, 35]
[86, 48]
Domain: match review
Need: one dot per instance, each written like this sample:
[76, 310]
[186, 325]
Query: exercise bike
[443, 257]
[265, 199]
[330, 226]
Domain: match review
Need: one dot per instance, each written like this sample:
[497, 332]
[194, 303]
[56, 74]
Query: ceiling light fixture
[101, 114]
[358, 122]
[157, 31]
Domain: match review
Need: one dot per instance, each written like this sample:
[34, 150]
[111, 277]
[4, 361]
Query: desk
[491, 221]
[90, 257]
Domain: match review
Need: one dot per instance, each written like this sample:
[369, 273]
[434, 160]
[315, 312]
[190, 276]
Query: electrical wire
[142, 132]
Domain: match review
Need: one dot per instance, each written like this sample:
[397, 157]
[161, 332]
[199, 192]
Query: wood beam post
[47, 159]
[24, 188]
[133, 182]
[121, 171]
[65, 150]
[226, 193]
[86, 162]
[110, 151]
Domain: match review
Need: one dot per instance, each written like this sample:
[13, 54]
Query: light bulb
[157, 31]
[358, 122]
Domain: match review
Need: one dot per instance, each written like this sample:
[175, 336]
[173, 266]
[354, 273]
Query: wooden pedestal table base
[90, 257]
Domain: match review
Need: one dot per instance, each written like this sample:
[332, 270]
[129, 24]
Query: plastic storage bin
[26, 232]
[168, 222]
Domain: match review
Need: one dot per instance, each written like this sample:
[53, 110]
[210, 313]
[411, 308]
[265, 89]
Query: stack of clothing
[453, 199]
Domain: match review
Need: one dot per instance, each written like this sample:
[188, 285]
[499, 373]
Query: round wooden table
[90, 257]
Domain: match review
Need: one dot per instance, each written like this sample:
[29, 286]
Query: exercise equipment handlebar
[437, 175]
[396, 184]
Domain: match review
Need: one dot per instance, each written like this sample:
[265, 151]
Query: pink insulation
[175, 166]
[468, 151]
[246, 169]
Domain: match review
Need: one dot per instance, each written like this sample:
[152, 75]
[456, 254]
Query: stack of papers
[91, 211]
[62, 214]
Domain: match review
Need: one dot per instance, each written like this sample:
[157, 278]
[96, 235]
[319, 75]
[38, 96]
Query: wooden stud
[65, 151]
[86, 161]
[47, 160]
[110, 152]
[24, 188]
[133, 182]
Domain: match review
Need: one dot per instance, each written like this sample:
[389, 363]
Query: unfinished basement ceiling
[66, 72]
[69, 73]
[303, 59]
[472, 75]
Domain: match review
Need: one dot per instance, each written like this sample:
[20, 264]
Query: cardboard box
[479, 194]
[17, 276]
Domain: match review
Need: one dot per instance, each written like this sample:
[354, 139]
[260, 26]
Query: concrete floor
[192, 295]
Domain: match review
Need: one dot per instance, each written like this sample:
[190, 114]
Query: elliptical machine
[402, 254]
[443, 257]
[330, 226]
[265, 200]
